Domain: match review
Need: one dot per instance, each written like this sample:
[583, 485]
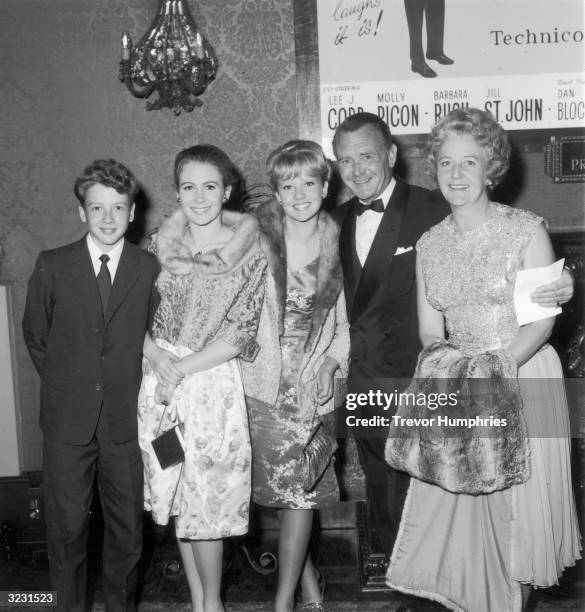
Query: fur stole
[462, 454]
[175, 256]
[329, 273]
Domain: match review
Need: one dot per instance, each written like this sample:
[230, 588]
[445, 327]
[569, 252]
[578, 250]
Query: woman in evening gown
[483, 553]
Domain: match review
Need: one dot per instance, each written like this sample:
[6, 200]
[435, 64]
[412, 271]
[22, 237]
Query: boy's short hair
[107, 172]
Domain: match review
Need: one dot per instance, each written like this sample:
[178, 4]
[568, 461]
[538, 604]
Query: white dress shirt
[95, 253]
[366, 224]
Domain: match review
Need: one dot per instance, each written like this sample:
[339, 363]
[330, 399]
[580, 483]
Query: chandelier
[172, 59]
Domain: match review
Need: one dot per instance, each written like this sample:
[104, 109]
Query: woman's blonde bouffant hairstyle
[292, 157]
[487, 132]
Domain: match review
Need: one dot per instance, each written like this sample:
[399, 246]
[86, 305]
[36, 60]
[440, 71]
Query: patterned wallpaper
[63, 106]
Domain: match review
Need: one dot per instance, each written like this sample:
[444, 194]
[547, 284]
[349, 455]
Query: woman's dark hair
[107, 172]
[206, 154]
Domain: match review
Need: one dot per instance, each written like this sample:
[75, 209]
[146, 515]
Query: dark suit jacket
[83, 360]
[381, 297]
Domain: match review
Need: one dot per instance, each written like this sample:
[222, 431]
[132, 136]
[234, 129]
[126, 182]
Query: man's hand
[556, 293]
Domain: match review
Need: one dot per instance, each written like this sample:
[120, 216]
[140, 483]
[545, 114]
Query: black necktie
[376, 206]
[104, 281]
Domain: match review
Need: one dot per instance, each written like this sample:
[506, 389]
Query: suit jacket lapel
[126, 275]
[352, 269]
[382, 250]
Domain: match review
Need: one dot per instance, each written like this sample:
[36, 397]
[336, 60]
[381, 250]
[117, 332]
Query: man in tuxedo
[88, 308]
[380, 226]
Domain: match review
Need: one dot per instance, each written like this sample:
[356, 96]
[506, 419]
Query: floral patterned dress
[209, 494]
[280, 432]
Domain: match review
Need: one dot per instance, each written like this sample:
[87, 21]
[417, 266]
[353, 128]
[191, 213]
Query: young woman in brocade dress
[212, 289]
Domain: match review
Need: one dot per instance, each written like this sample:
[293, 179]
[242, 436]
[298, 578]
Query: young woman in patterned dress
[304, 342]
[212, 289]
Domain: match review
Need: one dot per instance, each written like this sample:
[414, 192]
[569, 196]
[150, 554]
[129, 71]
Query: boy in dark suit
[88, 309]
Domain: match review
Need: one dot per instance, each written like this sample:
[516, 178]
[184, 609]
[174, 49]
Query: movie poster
[412, 61]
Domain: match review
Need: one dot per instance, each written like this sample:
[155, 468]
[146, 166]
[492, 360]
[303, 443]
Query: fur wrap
[329, 273]
[328, 335]
[462, 457]
[175, 256]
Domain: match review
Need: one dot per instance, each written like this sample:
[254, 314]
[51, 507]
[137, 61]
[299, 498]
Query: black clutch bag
[169, 447]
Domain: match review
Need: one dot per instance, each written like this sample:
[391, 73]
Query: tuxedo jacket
[381, 296]
[88, 362]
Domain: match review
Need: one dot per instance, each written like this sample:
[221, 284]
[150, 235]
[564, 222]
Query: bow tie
[375, 206]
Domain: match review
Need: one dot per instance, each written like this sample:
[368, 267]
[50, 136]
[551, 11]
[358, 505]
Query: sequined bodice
[469, 276]
[300, 297]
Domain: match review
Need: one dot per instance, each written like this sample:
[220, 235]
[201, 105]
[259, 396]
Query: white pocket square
[400, 250]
